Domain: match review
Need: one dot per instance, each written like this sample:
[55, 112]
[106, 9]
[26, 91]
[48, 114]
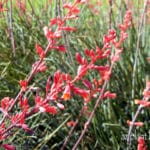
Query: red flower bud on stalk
[61, 48]
[61, 106]
[41, 67]
[6, 103]
[115, 58]
[66, 77]
[71, 17]
[139, 124]
[141, 144]
[24, 103]
[146, 92]
[71, 123]
[21, 6]
[87, 83]
[82, 70]
[142, 102]
[40, 51]
[83, 93]
[81, 60]
[68, 28]
[57, 21]
[110, 95]
[47, 88]
[23, 84]
[1, 7]
[8, 147]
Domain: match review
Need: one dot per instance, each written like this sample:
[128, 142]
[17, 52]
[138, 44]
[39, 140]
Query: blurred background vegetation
[108, 129]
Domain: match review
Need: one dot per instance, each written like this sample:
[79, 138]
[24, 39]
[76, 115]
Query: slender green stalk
[138, 49]
[11, 29]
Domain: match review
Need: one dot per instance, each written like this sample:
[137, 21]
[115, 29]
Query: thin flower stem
[138, 49]
[11, 29]
[99, 100]
[33, 11]
[71, 131]
[131, 127]
[110, 13]
[64, 35]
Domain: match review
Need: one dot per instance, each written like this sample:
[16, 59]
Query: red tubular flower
[38, 101]
[87, 83]
[110, 95]
[26, 128]
[105, 75]
[21, 6]
[68, 28]
[56, 86]
[50, 109]
[126, 23]
[78, 1]
[83, 93]
[18, 118]
[106, 53]
[41, 68]
[66, 77]
[8, 147]
[82, 70]
[61, 48]
[57, 76]
[40, 51]
[24, 103]
[122, 27]
[142, 102]
[115, 58]
[6, 102]
[90, 53]
[1, 7]
[146, 92]
[71, 17]
[67, 6]
[87, 52]
[71, 123]
[47, 87]
[61, 106]
[57, 20]
[23, 84]
[75, 11]
[100, 68]
[139, 124]
[2, 130]
[43, 106]
[80, 59]
[67, 93]
[141, 144]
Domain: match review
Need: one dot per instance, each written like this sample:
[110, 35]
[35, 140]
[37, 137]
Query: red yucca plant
[64, 84]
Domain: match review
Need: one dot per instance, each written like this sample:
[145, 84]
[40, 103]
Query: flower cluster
[18, 120]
